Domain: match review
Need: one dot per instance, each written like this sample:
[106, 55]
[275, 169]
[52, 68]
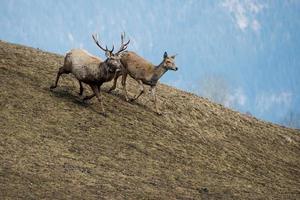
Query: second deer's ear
[165, 54]
[174, 56]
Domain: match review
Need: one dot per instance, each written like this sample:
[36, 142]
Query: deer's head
[113, 59]
[169, 62]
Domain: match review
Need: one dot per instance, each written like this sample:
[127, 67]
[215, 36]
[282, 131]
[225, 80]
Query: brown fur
[89, 69]
[143, 72]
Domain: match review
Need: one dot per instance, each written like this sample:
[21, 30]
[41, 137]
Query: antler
[123, 46]
[95, 37]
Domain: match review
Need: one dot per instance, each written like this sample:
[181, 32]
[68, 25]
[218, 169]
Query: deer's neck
[159, 71]
[104, 73]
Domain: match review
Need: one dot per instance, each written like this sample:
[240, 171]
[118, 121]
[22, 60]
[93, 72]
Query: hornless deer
[90, 69]
[143, 72]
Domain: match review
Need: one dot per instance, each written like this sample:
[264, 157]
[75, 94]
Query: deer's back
[82, 64]
[80, 57]
[136, 66]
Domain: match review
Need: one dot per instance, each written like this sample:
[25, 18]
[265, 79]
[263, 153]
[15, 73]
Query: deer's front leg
[153, 92]
[117, 75]
[88, 97]
[96, 90]
[81, 88]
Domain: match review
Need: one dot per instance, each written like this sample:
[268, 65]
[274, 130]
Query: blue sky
[244, 54]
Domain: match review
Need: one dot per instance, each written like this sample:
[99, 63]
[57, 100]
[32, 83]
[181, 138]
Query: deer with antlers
[90, 69]
[143, 72]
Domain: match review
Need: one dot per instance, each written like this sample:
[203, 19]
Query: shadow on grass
[121, 96]
[67, 94]
[145, 103]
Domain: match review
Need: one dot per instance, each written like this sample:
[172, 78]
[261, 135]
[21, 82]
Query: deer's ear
[120, 54]
[165, 55]
[173, 57]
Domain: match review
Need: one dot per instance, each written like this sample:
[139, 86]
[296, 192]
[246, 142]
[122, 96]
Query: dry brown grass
[53, 146]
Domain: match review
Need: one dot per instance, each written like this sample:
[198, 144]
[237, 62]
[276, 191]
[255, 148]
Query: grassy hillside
[53, 146]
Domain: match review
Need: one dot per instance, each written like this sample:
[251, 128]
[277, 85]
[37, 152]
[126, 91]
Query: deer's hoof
[52, 87]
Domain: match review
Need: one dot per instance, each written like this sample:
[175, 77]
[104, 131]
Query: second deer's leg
[153, 92]
[141, 85]
[59, 73]
[124, 76]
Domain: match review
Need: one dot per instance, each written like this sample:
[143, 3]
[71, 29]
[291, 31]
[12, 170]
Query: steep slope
[53, 146]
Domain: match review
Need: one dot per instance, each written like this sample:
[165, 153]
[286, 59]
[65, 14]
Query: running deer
[143, 72]
[90, 69]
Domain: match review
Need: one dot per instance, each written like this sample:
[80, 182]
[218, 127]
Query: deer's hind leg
[153, 92]
[124, 76]
[61, 71]
[142, 89]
